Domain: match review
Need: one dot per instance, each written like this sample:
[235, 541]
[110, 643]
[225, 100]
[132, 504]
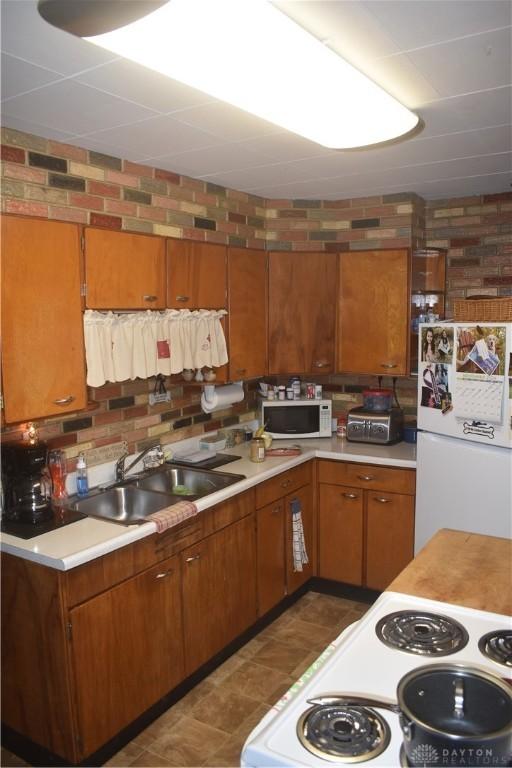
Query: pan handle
[458, 686]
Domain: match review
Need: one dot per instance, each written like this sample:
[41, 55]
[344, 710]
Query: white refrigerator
[464, 450]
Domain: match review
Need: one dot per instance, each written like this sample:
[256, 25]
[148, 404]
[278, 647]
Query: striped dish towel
[170, 516]
[300, 556]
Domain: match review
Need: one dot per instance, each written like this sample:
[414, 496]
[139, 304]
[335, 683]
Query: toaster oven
[381, 427]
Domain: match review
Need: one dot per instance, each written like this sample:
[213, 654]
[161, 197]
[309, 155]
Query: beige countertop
[87, 539]
[466, 569]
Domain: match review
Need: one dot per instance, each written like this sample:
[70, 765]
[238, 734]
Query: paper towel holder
[210, 396]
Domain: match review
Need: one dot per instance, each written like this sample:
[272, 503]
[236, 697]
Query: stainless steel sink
[137, 497]
[188, 482]
[126, 504]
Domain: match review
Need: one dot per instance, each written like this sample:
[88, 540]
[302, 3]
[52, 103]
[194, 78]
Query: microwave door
[296, 421]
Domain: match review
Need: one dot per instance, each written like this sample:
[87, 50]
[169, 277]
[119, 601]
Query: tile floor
[208, 727]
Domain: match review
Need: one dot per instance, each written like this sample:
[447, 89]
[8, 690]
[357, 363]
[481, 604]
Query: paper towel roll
[214, 398]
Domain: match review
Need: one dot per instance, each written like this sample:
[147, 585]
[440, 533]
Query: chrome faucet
[122, 471]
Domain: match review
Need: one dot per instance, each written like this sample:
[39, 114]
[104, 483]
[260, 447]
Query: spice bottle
[341, 429]
[82, 482]
[257, 449]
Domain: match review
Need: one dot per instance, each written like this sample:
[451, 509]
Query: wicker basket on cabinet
[482, 310]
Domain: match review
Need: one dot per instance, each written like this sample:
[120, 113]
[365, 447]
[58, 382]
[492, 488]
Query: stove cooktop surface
[359, 663]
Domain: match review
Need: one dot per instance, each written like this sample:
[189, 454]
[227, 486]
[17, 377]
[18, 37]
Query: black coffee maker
[25, 482]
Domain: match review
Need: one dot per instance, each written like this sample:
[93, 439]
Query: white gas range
[368, 660]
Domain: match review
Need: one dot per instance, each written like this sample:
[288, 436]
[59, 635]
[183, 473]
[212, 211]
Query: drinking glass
[57, 469]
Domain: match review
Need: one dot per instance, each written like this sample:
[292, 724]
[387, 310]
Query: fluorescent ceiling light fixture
[250, 54]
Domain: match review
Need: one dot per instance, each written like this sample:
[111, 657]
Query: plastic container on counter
[377, 399]
[410, 431]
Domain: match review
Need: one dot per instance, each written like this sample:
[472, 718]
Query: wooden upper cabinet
[247, 316]
[302, 308]
[43, 360]
[373, 312]
[196, 275]
[124, 270]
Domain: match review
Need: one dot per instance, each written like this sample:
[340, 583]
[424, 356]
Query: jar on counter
[257, 452]
[341, 429]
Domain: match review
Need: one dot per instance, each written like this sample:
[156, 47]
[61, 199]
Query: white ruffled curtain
[143, 344]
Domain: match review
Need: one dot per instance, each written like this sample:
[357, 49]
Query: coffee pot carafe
[26, 484]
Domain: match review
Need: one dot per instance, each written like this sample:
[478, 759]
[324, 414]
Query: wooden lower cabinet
[296, 578]
[219, 590]
[340, 542]
[271, 555]
[85, 652]
[389, 537]
[127, 652]
[276, 574]
[365, 531]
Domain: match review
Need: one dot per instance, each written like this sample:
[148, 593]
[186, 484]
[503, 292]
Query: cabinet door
[196, 275]
[41, 319]
[124, 270]
[219, 590]
[271, 573]
[302, 308]
[340, 533]
[127, 651]
[373, 324]
[247, 297]
[295, 578]
[389, 537]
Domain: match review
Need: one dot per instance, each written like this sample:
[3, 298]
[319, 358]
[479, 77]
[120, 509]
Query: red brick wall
[59, 181]
[477, 231]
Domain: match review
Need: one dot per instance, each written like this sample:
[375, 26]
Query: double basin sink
[133, 499]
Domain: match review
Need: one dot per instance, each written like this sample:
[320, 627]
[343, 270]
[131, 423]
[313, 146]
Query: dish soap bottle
[82, 482]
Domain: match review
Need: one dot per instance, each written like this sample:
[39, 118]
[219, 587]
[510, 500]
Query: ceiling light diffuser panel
[251, 55]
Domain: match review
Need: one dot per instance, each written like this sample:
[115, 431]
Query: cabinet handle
[164, 574]
[366, 477]
[241, 370]
[64, 400]
[194, 557]
[182, 298]
[320, 363]
[286, 483]
[389, 365]
[149, 297]
[276, 510]
[382, 500]
[350, 495]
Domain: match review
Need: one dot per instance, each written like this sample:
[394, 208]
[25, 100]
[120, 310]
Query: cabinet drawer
[370, 476]
[101, 574]
[282, 484]
[228, 512]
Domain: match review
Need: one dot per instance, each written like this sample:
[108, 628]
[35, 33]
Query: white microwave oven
[296, 418]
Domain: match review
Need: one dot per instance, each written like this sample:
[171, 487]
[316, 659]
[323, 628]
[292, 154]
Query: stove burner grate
[497, 646]
[426, 634]
[343, 734]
